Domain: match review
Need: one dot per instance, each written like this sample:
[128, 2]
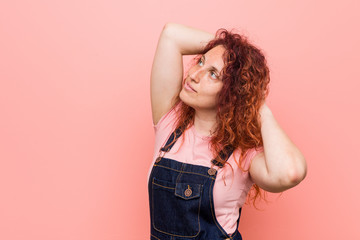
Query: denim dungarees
[181, 200]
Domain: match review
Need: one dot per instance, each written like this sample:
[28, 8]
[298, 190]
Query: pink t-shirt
[230, 188]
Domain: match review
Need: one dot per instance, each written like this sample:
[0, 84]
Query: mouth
[188, 87]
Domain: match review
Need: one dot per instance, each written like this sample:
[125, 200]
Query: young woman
[215, 137]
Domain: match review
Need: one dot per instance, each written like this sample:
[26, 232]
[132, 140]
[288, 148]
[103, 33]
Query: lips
[188, 87]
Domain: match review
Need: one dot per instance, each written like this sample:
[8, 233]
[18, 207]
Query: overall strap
[175, 134]
[224, 155]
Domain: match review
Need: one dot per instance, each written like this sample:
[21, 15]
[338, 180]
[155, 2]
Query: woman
[215, 137]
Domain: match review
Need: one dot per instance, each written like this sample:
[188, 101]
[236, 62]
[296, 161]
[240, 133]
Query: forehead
[215, 56]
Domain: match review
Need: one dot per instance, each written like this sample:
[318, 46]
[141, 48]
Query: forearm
[284, 161]
[188, 40]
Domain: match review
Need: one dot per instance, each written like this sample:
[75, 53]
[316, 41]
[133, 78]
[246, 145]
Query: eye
[200, 62]
[213, 75]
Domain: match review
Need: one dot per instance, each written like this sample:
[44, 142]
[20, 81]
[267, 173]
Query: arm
[281, 166]
[167, 69]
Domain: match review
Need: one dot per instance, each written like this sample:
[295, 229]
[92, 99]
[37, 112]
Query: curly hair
[245, 77]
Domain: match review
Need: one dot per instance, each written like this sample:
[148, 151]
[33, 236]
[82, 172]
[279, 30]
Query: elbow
[292, 176]
[166, 29]
[287, 180]
[169, 28]
[296, 174]
[169, 32]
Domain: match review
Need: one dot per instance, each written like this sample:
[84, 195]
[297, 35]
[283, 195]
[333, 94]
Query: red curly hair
[245, 77]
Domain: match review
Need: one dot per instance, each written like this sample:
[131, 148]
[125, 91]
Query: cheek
[183, 81]
[208, 98]
[185, 97]
[211, 91]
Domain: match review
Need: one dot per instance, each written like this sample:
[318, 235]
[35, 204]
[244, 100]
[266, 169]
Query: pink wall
[76, 136]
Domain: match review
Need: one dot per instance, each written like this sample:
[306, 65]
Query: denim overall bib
[181, 199]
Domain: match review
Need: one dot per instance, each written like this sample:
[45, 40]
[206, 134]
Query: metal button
[211, 171]
[188, 192]
[158, 159]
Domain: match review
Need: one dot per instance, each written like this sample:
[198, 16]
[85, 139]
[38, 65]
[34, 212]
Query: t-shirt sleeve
[250, 155]
[167, 120]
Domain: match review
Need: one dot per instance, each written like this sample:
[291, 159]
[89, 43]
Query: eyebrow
[212, 67]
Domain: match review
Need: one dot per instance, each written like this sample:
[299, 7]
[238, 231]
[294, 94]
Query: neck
[205, 122]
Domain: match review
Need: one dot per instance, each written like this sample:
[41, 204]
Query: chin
[184, 98]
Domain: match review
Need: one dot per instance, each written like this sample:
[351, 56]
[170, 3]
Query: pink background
[76, 136]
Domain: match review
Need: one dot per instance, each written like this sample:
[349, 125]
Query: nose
[195, 74]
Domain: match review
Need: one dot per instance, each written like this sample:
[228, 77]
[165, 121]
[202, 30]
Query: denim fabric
[181, 202]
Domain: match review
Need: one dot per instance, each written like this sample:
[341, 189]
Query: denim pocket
[176, 207]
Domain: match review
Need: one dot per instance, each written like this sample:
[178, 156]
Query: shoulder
[249, 156]
[168, 119]
[254, 152]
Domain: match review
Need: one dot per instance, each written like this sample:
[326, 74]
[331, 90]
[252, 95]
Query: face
[203, 83]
